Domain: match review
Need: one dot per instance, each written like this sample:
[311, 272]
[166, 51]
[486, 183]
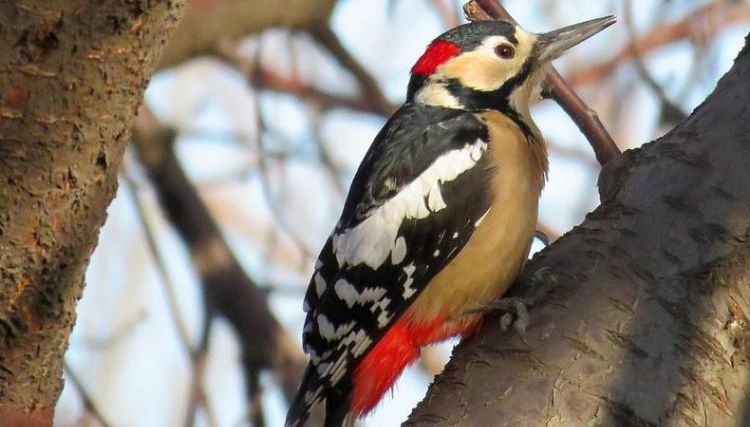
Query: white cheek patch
[482, 69]
[374, 239]
[438, 95]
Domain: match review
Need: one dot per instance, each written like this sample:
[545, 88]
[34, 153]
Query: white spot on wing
[399, 251]
[329, 332]
[320, 284]
[408, 290]
[362, 343]
[383, 318]
[372, 240]
[339, 369]
[357, 342]
[323, 367]
[318, 264]
[348, 293]
[455, 235]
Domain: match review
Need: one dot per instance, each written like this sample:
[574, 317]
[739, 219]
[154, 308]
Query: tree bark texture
[72, 74]
[639, 316]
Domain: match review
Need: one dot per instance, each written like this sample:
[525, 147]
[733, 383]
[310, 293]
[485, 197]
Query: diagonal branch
[584, 117]
[369, 85]
[197, 353]
[229, 292]
[715, 16]
[88, 401]
[639, 314]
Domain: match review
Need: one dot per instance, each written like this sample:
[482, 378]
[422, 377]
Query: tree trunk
[639, 315]
[72, 74]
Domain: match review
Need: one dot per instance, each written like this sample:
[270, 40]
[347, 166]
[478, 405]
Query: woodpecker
[439, 217]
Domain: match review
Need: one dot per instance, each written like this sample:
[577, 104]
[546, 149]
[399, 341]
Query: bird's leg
[514, 312]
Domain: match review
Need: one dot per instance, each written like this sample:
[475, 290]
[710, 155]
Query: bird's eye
[505, 51]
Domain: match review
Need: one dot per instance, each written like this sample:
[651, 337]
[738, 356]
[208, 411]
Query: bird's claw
[513, 309]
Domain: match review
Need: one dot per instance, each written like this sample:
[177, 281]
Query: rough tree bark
[639, 315]
[71, 77]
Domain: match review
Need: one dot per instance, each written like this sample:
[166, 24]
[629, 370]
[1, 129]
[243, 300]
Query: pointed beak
[554, 43]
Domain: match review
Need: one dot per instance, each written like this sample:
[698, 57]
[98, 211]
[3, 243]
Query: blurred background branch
[241, 161]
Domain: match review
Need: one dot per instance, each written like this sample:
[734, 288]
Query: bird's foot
[514, 312]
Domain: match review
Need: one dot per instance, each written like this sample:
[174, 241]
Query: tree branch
[329, 40]
[584, 117]
[72, 74]
[639, 316]
[715, 16]
[88, 402]
[227, 289]
[196, 353]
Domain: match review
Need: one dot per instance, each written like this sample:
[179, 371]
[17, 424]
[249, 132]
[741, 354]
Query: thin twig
[197, 355]
[584, 117]
[88, 401]
[369, 85]
[256, 413]
[228, 289]
[448, 12]
[168, 285]
[334, 171]
[265, 182]
[717, 15]
[271, 80]
[119, 333]
[669, 110]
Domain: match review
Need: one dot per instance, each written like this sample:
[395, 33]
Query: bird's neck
[512, 101]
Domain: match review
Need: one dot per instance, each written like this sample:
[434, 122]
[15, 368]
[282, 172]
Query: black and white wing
[412, 206]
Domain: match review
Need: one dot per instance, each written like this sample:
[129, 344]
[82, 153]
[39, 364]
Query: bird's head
[491, 64]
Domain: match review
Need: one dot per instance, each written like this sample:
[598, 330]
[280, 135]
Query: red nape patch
[436, 54]
[398, 349]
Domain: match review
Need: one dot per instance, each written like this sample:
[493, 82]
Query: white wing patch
[330, 332]
[348, 293]
[408, 290]
[372, 240]
[399, 251]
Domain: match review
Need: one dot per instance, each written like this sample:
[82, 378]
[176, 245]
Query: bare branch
[197, 354]
[329, 40]
[448, 12]
[584, 117]
[669, 109]
[88, 402]
[227, 289]
[714, 16]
